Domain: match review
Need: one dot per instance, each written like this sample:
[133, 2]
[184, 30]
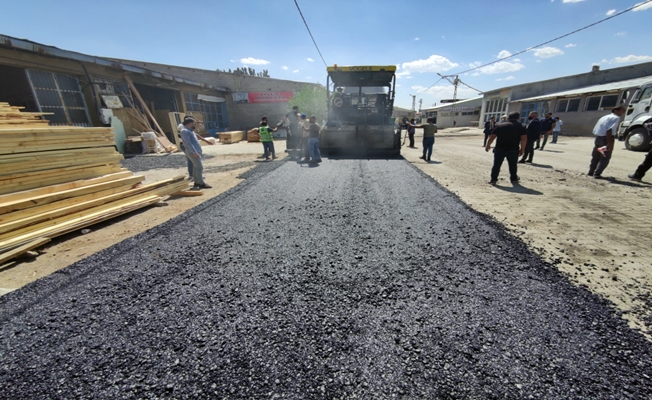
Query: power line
[550, 41]
[313, 39]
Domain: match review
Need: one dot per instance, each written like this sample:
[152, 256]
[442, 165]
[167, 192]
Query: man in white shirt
[604, 141]
[556, 130]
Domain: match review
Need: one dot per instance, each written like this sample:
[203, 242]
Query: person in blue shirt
[193, 152]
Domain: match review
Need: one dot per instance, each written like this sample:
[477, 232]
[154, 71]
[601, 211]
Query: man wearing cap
[547, 125]
[193, 152]
[604, 141]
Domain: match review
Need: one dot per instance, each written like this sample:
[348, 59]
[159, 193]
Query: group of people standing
[303, 135]
[514, 139]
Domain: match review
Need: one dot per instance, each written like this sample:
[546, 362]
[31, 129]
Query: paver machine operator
[360, 110]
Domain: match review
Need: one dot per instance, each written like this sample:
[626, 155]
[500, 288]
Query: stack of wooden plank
[253, 135]
[232, 137]
[55, 180]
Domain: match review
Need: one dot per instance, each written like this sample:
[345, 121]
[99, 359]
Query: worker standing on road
[410, 131]
[533, 134]
[557, 129]
[304, 127]
[511, 141]
[429, 131]
[193, 152]
[266, 138]
[604, 141]
[294, 133]
[313, 141]
[547, 125]
[647, 163]
[183, 148]
[488, 128]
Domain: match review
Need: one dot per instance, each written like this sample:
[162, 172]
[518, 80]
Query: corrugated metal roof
[456, 104]
[607, 87]
[51, 51]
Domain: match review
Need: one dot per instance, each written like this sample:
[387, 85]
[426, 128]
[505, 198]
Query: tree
[311, 100]
[246, 71]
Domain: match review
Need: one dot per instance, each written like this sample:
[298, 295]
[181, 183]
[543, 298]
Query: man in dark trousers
[547, 125]
[511, 141]
[533, 134]
[488, 128]
[603, 147]
[647, 163]
[410, 131]
[294, 133]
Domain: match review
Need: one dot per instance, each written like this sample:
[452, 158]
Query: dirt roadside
[597, 232]
[222, 166]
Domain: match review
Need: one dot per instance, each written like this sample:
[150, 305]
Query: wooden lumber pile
[55, 180]
[253, 136]
[232, 137]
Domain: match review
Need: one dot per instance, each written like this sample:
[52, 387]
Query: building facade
[465, 113]
[581, 97]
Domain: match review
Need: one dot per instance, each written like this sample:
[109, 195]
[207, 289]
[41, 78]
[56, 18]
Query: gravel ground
[145, 163]
[354, 279]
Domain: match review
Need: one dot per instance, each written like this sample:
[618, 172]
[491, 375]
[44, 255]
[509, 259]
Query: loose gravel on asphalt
[354, 279]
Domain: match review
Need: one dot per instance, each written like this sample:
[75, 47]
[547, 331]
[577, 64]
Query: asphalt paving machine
[360, 111]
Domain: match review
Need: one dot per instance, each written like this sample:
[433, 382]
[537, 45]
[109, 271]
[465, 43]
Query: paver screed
[352, 279]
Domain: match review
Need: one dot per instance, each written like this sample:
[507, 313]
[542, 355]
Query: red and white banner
[269, 97]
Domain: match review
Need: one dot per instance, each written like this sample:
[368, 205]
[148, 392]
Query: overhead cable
[313, 39]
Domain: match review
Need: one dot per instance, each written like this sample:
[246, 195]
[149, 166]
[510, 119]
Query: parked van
[632, 130]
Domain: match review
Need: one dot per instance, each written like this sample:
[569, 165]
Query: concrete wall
[242, 116]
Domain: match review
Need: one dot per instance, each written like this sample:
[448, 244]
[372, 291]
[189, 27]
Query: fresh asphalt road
[354, 279]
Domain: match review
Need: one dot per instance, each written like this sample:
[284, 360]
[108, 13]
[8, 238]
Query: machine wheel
[638, 140]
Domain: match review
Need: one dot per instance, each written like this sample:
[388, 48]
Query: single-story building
[579, 109]
[498, 102]
[460, 113]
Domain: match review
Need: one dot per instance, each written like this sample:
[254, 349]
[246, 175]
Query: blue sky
[421, 37]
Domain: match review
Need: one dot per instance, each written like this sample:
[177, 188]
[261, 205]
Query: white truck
[632, 130]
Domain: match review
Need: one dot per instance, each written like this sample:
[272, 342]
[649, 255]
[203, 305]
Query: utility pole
[420, 104]
[454, 82]
[414, 100]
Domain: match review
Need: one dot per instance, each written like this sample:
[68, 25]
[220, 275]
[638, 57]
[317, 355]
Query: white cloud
[569, 45]
[538, 60]
[621, 33]
[571, 1]
[284, 67]
[509, 78]
[434, 63]
[310, 59]
[547, 52]
[416, 38]
[504, 53]
[647, 6]
[500, 67]
[253, 61]
[295, 71]
[232, 61]
[630, 59]
[611, 12]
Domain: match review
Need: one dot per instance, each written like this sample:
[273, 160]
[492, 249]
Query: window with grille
[573, 105]
[60, 95]
[561, 105]
[609, 101]
[593, 103]
[214, 113]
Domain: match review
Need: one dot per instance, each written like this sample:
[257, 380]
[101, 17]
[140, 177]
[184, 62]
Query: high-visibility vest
[265, 134]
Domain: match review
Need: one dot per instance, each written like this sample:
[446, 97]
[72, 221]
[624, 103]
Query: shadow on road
[518, 188]
[541, 166]
[552, 151]
[629, 183]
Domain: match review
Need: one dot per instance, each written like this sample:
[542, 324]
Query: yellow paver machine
[360, 112]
